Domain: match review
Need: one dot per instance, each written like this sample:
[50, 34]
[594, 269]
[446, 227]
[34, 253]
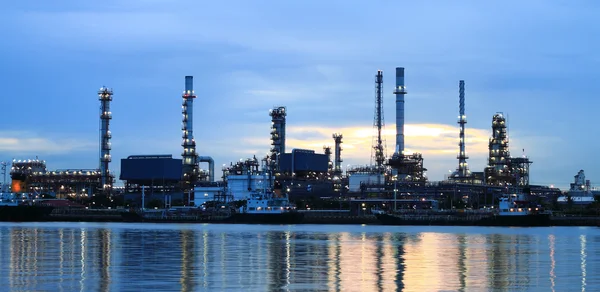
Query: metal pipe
[143, 198]
[211, 166]
[293, 162]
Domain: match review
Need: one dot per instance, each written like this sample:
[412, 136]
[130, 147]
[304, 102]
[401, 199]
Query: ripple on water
[188, 257]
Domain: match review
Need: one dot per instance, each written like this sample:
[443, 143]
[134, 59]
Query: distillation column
[190, 158]
[337, 137]
[105, 97]
[327, 151]
[463, 169]
[498, 172]
[278, 115]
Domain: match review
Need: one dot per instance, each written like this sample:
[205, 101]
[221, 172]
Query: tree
[154, 204]
[569, 201]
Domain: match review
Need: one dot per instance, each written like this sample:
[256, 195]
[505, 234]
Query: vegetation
[315, 203]
[570, 208]
[155, 204]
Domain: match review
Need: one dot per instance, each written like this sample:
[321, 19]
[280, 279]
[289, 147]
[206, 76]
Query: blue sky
[533, 60]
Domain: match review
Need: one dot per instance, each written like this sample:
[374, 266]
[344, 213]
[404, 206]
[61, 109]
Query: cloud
[296, 85]
[27, 143]
[437, 142]
[431, 140]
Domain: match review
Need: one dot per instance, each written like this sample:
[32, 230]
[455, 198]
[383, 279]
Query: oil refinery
[303, 175]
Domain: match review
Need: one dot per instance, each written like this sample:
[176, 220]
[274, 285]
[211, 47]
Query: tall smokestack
[399, 91]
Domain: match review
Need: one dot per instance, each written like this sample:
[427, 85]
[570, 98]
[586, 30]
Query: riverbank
[312, 217]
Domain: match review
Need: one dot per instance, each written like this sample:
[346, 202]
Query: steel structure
[337, 168]
[31, 176]
[278, 116]
[519, 168]
[327, 151]
[378, 150]
[105, 96]
[210, 174]
[189, 155]
[462, 173]
[5, 187]
[498, 172]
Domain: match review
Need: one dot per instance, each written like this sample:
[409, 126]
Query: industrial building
[303, 173]
[402, 175]
[165, 178]
[303, 162]
[158, 177]
[299, 173]
[32, 177]
[580, 192]
[246, 177]
[150, 171]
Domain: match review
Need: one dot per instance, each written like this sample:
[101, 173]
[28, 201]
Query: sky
[535, 61]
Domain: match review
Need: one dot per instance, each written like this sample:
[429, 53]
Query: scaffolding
[378, 147]
[408, 167]
[502, 169]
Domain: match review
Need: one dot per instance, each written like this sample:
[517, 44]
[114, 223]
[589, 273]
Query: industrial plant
[302, 175]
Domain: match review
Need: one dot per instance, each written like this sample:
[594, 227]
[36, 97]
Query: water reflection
[120, 257]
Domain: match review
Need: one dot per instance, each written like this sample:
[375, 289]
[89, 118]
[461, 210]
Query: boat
[263, 208]
[513, 210]
[516, 210]
[581, 191]
[15, 209]
[179, 214]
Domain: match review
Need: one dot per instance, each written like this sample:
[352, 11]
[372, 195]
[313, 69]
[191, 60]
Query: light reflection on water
[169, 257]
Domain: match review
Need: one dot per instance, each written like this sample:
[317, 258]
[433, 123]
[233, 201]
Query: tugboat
[22, 209]
[264, 208]
[516, 210]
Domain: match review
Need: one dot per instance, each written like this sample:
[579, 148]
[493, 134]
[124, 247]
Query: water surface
[205, 257]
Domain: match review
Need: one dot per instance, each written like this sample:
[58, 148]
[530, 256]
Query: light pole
[395, 191]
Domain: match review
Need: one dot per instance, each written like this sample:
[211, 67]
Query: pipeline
[211, 166]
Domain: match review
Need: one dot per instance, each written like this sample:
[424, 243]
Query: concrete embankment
[310, 217]
[575, 221]
[86, 215]
[339, 218]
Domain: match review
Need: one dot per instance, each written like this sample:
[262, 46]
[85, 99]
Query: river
[220, 257]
